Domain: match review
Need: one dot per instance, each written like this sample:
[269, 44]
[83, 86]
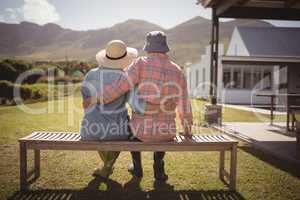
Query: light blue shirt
[104, 122]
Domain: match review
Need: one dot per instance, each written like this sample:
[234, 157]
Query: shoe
[136, 172]
[161, 177]
[104, 172]
[159, 171]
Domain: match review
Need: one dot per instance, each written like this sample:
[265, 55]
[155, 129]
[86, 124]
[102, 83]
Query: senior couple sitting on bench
[153, 86]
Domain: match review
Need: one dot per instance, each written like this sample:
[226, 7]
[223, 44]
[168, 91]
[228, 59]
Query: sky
[95, 14]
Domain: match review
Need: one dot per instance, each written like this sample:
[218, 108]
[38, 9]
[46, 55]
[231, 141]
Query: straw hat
[116, 55]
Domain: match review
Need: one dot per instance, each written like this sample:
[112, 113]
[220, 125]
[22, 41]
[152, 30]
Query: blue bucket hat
[156, 41]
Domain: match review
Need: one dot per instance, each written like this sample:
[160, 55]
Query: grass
[67, 175]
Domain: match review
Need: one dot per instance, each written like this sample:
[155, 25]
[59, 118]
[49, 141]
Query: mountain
[52, 42]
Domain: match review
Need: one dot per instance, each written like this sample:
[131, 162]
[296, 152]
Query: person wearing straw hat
[161, 89]
[109, 121]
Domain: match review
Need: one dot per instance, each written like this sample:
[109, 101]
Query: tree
[6, 89]
[21, 66]
[7, 72]
[34, 75]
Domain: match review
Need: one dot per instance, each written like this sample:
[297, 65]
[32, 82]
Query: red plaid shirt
[162, 86]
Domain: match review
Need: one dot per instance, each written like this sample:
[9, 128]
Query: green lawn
[67, 175]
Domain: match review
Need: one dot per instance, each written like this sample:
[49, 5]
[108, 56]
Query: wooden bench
[38, 141]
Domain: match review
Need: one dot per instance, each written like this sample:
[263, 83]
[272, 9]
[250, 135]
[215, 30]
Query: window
[267, 80]
[256, 78]
[203, 79]
[247, 79]
[197, 77]
[236, 78]
[226, 78]
[190, 80]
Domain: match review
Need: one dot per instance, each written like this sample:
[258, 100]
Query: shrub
[6, 89]
[25, 93]
[60, 80]
[21, 66]
[36, 95]
[68, 79]
[7, 72]
[34, 75]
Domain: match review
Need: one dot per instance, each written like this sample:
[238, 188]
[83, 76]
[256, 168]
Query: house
[198, 74]
[258, 60]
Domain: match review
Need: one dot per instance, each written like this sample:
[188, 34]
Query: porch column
[214, 57]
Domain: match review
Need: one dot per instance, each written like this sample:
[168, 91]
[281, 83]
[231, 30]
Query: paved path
[253, 109]
[272, 139]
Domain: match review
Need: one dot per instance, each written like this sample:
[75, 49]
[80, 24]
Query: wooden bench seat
[38, 141]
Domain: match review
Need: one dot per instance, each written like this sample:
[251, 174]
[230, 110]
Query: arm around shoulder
[184, 108]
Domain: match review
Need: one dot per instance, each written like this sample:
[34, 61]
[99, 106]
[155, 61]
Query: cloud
[39, 11]
[36, 11]
[11, 15]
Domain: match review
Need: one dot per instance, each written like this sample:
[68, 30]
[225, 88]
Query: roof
[271, 41]
[260, 60]
[255, 9]
[245, 3]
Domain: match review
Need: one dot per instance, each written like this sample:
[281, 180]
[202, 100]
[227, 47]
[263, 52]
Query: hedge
[7, 91]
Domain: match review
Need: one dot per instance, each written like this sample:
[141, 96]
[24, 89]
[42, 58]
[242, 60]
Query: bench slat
[52, 137]
[77, 137]
[177, 139]
[219, 137]
[68, 137]
[42, 135]
[63, 135]
[207, 139]
[200, 139]
[73, 137]
[35, 135]
[58, 135]
[47, 136]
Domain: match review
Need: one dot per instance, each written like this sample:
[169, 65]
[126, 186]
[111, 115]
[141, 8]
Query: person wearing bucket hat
[156, 41]
[161, 90]
[110, 121]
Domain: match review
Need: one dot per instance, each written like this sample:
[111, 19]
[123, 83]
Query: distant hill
[52, 42]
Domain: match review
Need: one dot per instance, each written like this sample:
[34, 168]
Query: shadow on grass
[109, 189]
[282, 164]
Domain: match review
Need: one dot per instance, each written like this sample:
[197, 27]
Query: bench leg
[233, 166]
[37, 161]
[222, 165]
[23, 167]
